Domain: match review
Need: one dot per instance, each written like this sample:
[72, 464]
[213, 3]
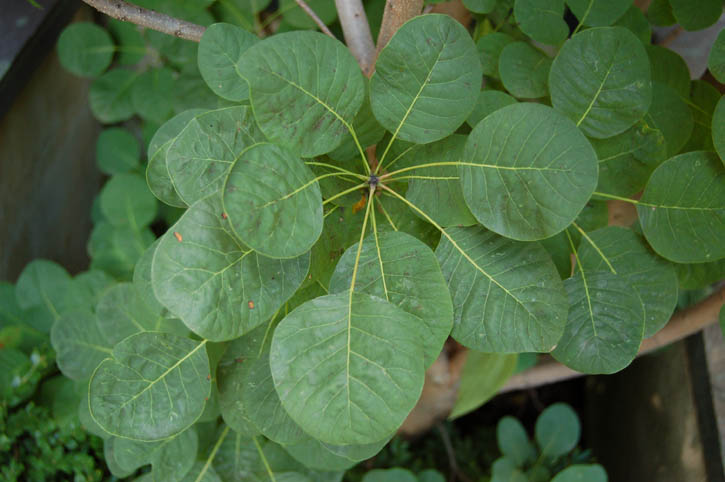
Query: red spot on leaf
[251, 304]
[178, 236]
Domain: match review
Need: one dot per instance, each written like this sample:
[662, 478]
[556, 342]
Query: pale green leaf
[505, 470]
[524, 70]
[696, 15]
[202, 154]
[305, 90]
[427, 79]
[527, 171]
[132, 397]
[682, 210]
[117, 151]
[598, 13]
[348, 367]
[482, 376]
[220, 50]
[110, 96]
[605, 326]
[126, 202]
[489, 49]
[582, 473]
[142, 281]
[219, 288]
[273, 202]
[78, 344]
[513, 441]
[85, 49]
[601, 80]
[507, 295]
[489, 101]
[404, 271]
[542, 20]
[557, 430]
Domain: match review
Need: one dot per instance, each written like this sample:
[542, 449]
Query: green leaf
[660, 13]
[131, 397]
[153, 94]
[298, 18]
[557, 430]
[524, 70]
[110, 96]
[696, 15]
[85, 49]
[489, 49]
[202, 154]
[142, 282]
[201, 472]
[126, 202]
[543, 21]
[670, 114]
[669, 68]
[582, 473]
[220, 50]
[348, 367]
[489, 101]
[507, 295]
[305, 90]
[703, 100]
[483, 375]
[654, 279]
[170, 459]
[480, 6]
[716, 59]
[718, 129]
[46, 285]
[427, 79]
[513, 442]
[317, 455]
[606, 323]
[700, 275]
[157, 173]
[78, 344]
[505, 470]
[117, 151]
[682, 210]
[398, 268]
[527, 171]
[117, 249]
[219, 288]
[634, 20]
[430, 475]
[131, 45]
[366, 128]
[601, 80]
[273, 202]
[598, 13]
[722, 320]
[389, 475]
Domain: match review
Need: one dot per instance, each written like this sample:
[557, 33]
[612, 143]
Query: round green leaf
[85, 49]
[660, 13]
[157, 173]
[348, 367]
[127, 202]
[634, 20]
[682, 210]
[669, 68]
[716, 59]
[219, 288]
[605, 325]
[696, 15]
[131, 397]
[389, 475]
[524, 70]
[557, 430]
[653, 278]
[513, 441]
[404, 271]
[273, 202]
[153, 94]
[489, 49]
[170, 459]
[317, 455]
[489, 101]
[480, 6]
[507, 295]
[117, 151]
[202, 154]
[110, 96]
[505, 470]
[718, 129]
[700, 275]
[582, 473]
[482, 376]
[527, 171]
[601, 80]
[670, 115]
[703, 100]
[79, 345]
[131, 45]
[305, 90]
[142, 280]
[220, 50]
[427, 79]
[46, 284]
[542, 20]
[598, 13]
[201, 472]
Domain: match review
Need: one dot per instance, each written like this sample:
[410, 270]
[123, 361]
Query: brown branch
[128, 12]
[311, 13]
[682, 324]
[396, 13]
[356, 29]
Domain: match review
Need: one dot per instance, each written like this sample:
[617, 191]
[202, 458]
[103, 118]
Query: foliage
[300, 291]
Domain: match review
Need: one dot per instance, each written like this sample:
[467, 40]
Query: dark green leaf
[489, 101]
[489, 49]
[524, 70]
[480, 6]
[542, 20]
[670, 69]
[220, 50]
[696, 15]
[634, 20]
[598, 13]
[703, 99]
[389, 475]
[716, 59]
[110, 96]
[131, 45]
[582, 473]
[297, 17]
[117, 151]
[718, 129]
[669, 114]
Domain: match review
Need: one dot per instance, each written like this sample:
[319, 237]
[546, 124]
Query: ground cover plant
[326, 228]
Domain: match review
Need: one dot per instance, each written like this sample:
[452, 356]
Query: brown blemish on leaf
[178, 236]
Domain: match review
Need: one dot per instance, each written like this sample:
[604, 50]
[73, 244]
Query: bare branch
[311, 13]
[682, 324]
[397, 12]
[128, 12]
[356, 29]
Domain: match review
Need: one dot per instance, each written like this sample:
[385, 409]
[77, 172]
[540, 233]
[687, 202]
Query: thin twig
[356, 29]
[396, 13]
[452, 462]
[128, 12]
[311, 13]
